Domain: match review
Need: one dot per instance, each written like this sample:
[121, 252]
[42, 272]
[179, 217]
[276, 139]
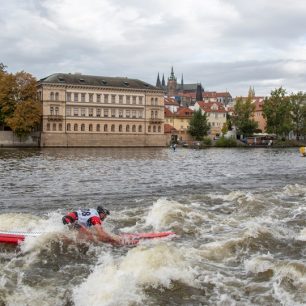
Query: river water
[239, 216]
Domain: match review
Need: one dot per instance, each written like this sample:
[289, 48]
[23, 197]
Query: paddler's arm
[106, 237]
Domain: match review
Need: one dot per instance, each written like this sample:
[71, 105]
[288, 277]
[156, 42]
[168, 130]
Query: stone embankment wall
[9, 139]
[101, 140]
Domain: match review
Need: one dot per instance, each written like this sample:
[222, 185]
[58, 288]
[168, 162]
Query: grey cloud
[240, 46]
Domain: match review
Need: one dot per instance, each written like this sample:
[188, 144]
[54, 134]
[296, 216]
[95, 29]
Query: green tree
[298, 104]
[7, 96]
[198, 125]
[277, 112]
[243, 116]
[26, 117]
[19, 108]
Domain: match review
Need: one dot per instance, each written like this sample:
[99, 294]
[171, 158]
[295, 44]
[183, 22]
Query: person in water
[86, 219]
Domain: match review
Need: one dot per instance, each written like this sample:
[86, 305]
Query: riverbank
[233, 143]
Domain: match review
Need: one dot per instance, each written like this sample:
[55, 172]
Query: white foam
[302, 235]
[295, 190]
[123, 282]
[259, 263]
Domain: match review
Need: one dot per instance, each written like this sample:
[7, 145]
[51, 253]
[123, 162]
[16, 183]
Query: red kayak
[18, 237]
[15, 237]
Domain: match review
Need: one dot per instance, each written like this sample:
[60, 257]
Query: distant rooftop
[99, 81]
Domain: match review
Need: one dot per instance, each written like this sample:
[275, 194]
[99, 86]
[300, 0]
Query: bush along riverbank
[223, 142]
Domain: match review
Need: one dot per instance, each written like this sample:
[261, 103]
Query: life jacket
[86, 215]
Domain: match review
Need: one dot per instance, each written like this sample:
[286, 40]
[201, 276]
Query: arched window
[140, 128]
[113, 128]
[127, 129]
[154, 128]
[98, 128]
[48, 126]
[68, 127]
[60, 126]
[152, 101]
[51, 110]
[54, 127]
[159, 129]
[120, 128]
[134, 128]
[90, 128]
[56, 96]
[105, 127]
[75, 127]
[82, 127]
[56, 110]
[52, 96]
[149, 129]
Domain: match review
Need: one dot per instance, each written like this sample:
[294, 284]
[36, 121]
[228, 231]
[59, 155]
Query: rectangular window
[120, 99]
[76, 97]
[68, 111]
[134, 100]
[75, 112]
[106, 112]
[56, 110]
[113, 112]
[90, 112]
[140, 114]
[133, 114]
[98, 98]
[128, 99]
[98, 112]
[83, 111]
[140, 100]
[68, 96]
[127, 113]
[90, 97]
[113, 98]
[120, 113]
[105, 98]
[83, 96]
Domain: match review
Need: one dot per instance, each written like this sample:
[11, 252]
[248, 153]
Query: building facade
[216, 116]
[179, 121]
[95, 111]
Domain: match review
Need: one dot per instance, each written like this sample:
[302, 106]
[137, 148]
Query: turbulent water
[239, 216]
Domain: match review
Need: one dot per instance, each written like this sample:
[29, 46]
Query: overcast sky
[225, 45]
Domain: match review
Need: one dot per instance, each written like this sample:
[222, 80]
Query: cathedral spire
[163, 82]
[158, 84]
[182, 82]
[172, 76]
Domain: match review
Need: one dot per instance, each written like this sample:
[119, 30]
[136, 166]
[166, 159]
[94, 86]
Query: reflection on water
[239, 215]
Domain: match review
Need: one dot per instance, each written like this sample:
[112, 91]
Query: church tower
[172, 84]
[199, 95]
[158, 83]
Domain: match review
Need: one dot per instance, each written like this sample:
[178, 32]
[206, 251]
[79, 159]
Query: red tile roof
[170, 101]
[168, 128]
[168, 113]
[207, 107]
[184, 112]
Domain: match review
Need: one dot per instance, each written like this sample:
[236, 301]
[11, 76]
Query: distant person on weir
[84, 220]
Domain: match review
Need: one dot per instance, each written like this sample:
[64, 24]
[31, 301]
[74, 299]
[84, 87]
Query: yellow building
[96, 111]
[179, 120]
[216, 116]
